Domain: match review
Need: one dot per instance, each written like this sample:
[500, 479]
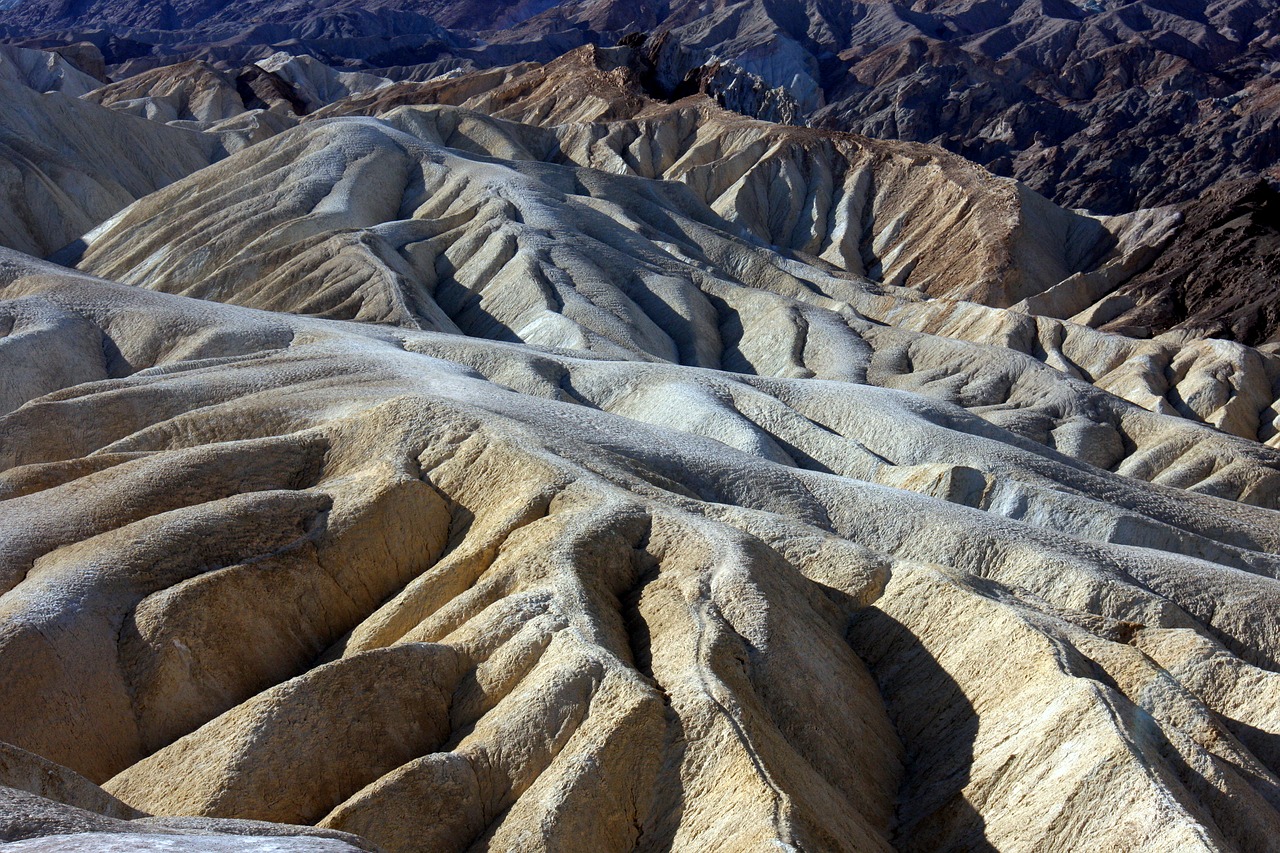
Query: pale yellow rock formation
[195, 96]
[440, 591]
[66, 164]
[25, 771]
[190, 91]
[43, 71]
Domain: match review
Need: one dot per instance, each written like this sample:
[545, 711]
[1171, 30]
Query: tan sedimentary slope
[588, 84]
[43, 71]
[1216, 278]
[188, 91]
[888, 210]
[1232, 387]
[242, 106]
[416, 217]
[66, 164]
[239, 109]
[645, 509]
[445, 592]
[898, 214]
[374, 220]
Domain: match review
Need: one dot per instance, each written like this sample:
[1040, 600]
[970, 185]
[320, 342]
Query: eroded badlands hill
[1112, 107]
[570, 240]
[480, 465]
[66, 164]
[440, 591]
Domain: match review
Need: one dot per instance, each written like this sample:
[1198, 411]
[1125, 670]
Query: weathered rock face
[191, 92]
[1094, 270]
[1110, 106]
[139, 36]
[212, 18]
[66, 164]
[811, 216]
[1106, 105]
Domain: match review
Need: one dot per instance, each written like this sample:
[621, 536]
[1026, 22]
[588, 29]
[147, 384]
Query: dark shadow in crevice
[937, 726]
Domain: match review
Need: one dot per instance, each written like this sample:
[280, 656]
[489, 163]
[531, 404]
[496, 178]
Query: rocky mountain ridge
[1110, 106]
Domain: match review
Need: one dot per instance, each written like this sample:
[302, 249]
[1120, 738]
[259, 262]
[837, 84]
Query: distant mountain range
[1102, 104]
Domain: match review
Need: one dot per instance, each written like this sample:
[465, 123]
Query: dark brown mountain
[1105, 104]
[1220, 277]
